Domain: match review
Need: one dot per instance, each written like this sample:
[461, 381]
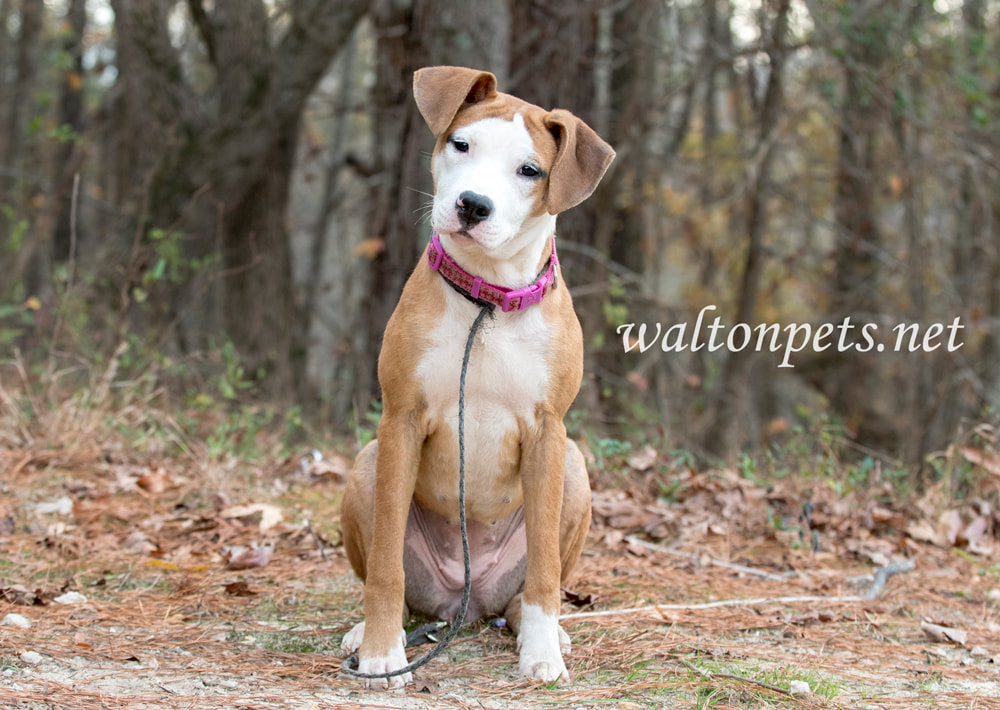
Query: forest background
[216, 203]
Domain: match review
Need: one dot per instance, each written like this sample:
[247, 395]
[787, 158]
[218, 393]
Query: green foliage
[171, 263]
[17, 226]
[366, 428]
[16, 320]
[777, 676]
[610, 453]
[236, 435]
[64, 134]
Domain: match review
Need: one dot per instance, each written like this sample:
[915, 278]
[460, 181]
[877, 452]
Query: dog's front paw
[546, 668]
[539, 641]
[392, 661]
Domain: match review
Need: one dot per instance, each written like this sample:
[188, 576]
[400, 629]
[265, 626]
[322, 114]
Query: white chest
[508, 372]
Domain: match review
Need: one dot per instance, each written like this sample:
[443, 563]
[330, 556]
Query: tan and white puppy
[503, 169]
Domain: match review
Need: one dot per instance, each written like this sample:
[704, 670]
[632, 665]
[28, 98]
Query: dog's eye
[529, 170]
[460, 146]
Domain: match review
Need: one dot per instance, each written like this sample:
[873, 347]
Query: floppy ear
[441, 91]
[581, 160]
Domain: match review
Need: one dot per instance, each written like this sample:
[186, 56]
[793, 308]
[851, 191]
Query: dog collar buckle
[524, 297]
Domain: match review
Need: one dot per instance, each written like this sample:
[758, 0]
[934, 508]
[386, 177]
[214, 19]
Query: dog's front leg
[383, 647]
[543, 463]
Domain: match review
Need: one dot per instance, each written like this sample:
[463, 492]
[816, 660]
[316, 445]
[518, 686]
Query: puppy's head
[503, 168]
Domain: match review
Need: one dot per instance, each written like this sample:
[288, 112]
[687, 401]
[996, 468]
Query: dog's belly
[435, 572]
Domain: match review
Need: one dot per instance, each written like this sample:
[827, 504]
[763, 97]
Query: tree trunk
[411, 36]
[149, 103]
[730, 406]
[259, 303]
[69, 157]
[976, 256]
[22, 146]
[28, 48]
[5, 11]
[231, 168]
[848, 378]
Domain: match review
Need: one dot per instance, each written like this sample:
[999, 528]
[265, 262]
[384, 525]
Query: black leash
[351, 663]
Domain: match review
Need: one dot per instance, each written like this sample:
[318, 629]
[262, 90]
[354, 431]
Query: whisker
[426, 206]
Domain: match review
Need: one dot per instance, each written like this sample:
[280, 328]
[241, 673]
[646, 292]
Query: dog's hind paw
[352, 639]
[564, 643]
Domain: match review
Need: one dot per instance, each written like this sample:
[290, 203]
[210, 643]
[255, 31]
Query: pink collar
[474, 286]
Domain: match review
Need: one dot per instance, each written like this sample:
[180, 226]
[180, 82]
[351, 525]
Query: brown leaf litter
[185, 593]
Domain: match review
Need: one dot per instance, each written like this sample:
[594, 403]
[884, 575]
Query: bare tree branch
[204, 24]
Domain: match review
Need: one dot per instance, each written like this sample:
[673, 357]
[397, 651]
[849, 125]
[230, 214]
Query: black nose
[473, 208]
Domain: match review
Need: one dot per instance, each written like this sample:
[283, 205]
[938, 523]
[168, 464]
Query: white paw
[539, 641]
[393, 661]
[352, 639]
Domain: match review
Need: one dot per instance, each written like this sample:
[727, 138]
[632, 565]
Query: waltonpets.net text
[790, 339]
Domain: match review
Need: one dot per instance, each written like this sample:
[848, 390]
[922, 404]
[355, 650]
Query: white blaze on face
[493, 164]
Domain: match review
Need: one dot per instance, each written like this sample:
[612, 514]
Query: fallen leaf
[643, 459]
[263, 515]
[943, 634]
[972, 535]
[155, 482]
[578, 600]
[924, 532]
[720, 529]
[989, 460]
[333, 466]
[884, 516]
[240, 589]
[138, 543]
[425, 686]
[161, 563]
[950, 525]
[18, 594]
[369, 248]
[253, 557]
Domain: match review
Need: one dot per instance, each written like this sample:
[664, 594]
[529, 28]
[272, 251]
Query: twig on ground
[718, 563]
[712, 605]
[883, 573]
[317, 540]
[709, 675]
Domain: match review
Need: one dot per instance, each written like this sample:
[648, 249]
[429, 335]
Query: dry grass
[167, 624]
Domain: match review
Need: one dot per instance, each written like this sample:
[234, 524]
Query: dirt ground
[177, 584]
